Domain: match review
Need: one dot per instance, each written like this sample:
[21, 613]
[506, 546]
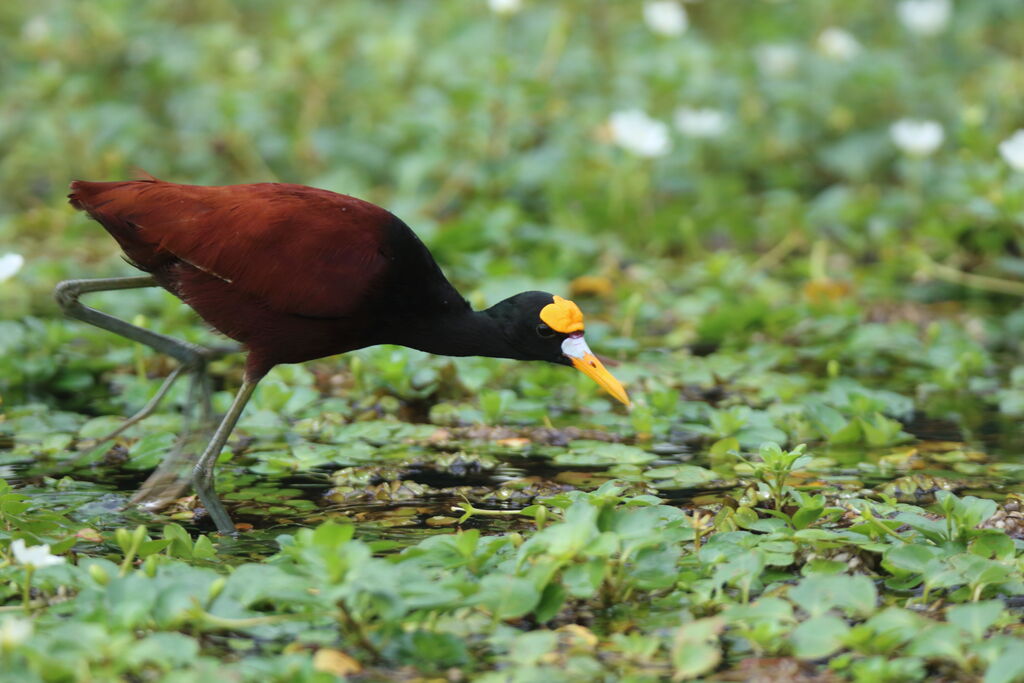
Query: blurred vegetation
[791, 221]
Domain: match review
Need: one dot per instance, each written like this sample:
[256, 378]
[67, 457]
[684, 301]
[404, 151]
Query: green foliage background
[796, 279]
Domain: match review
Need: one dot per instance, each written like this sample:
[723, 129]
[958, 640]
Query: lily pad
[587, 452]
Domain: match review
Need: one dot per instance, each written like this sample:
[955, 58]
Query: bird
[296, 273]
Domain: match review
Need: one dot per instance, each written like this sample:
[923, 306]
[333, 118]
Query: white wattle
[575, 347]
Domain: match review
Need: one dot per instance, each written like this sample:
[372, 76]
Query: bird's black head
[543, 326]
[519, 318]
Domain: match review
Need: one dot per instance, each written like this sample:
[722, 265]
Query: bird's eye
[545, 331]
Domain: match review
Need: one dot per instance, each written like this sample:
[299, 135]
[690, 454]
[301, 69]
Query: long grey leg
[68, 292]
[202, 475]
[150, 406]
[166, 483]
[193, 358]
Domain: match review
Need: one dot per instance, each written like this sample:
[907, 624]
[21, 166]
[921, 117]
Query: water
[397, 503]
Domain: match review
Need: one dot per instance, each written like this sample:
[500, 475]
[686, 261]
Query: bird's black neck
[462, 333]
[427, 313]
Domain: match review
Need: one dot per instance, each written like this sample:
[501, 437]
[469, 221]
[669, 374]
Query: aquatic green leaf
[654, 568]
[819, 566]
[751, 437]
[851, 433]
[888, 669]
[938, 640]
[934, 530]
[583, 580]
[993, 543]
[99, 426]
[1008, 666]
[724, 451]
[551, 600]
[909, 557]
[584, 452]
[508, 597]
[437, 649]
[967, 511]
[745, 517]
[165, 650]
[742, 571]
[528, 648]
[827, 419]
[855, 595]
[695, 648]
[885, 631]
[204, 549]
[148, 451]
[879, 431]
[819, 636]
[682, 476]
[769, 609]
[975, 618]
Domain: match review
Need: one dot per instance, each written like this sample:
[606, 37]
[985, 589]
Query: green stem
[554, 47]
[774, 256]
[819, 260]
[26, 591]
[20, 607]
[137, 537]
[469, 511]
[959, 277]
[698, 530]
[778, 487]
[873, 521]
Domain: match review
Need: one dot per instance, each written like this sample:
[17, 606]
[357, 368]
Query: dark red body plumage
[293, 272]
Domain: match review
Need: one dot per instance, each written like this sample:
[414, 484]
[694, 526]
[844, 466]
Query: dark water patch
[928, 428]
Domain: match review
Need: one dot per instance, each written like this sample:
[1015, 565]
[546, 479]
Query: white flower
[10, 264]
[917, 138]
[666, 17]
[14, 632]
[36, 556]
[1012, 149]
[36, 30]
[776, 60]
[505, 6]
[838, 44]
[701, 123]
[925, 17]
[637, 132]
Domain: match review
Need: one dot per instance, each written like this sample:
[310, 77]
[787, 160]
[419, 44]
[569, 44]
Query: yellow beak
[584, 360]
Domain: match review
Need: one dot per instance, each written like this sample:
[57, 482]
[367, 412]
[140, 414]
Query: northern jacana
[296, 273]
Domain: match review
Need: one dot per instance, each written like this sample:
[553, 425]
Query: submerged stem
[959, 277]
[356, 629]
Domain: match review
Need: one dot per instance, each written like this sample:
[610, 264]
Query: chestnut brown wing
[298, 249]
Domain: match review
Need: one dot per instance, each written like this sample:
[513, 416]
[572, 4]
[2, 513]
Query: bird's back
[298, 249]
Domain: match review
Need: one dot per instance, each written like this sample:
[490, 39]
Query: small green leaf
[976, 618]
[1008, 667]
[695, 650]
[817, 594]
[204, 548]
[508, 597]
[818, 637]
[585, 452]
[551, 600]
